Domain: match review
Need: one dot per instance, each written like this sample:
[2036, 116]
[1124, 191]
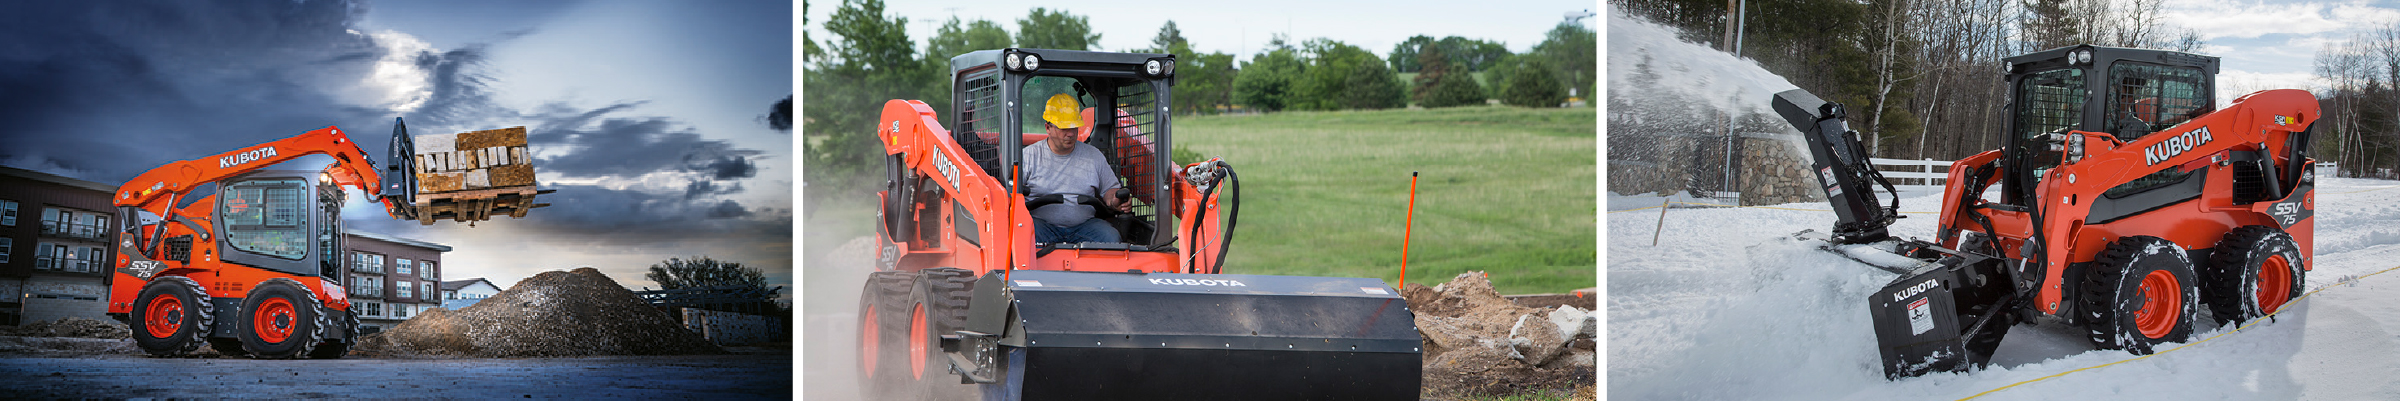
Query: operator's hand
[1115, 200]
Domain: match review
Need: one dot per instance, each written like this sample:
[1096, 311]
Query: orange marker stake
[1407, 226]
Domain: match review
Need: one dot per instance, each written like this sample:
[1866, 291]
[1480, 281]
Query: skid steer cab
[968, 300]
[2130, 205]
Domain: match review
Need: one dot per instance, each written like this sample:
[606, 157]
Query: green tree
[846, 82]
[1268, 82]
[1329, 65]
[1045, 29]
[952, 39]
[1404, 55]
[1532, 86]
[1168, 37]
[1203, 81]
[1568, 50]
[1371, 86]
[1442, 84]
[701, 272]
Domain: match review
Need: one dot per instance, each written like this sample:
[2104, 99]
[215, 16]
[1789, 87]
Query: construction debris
[71, 327]
[1478, 343]
[578, 313]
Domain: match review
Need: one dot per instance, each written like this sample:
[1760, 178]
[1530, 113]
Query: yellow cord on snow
[2236, 329]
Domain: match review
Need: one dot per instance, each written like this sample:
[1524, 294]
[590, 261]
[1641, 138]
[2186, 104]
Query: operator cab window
[2053, 103]
[267, 217]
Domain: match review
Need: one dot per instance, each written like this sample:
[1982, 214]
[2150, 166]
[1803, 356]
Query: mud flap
[1158, 336]
[1946, 316]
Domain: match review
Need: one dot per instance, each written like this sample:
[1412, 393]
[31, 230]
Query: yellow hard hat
[1062, 112]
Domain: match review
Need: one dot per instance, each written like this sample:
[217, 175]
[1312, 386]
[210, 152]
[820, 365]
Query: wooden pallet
[477, 205]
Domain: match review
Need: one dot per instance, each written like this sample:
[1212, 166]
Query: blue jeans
[1092, 230]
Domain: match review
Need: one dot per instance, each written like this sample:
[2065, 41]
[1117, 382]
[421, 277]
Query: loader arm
[153, 191]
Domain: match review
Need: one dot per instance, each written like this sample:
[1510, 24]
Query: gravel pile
[1478, 343]
[577, 313]
[71, 327]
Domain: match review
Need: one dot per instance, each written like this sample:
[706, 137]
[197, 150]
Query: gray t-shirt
[1082, 173]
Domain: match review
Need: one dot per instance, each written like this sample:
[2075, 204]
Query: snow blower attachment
[2126, 199]
[1943, 313]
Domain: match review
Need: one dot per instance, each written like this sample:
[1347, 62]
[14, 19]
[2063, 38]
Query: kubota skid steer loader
[2127, 201]
[965, 301]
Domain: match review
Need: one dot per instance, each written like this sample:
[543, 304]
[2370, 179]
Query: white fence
[1915, 174]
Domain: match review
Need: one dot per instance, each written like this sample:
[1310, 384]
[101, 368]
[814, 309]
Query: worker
[1065, 166]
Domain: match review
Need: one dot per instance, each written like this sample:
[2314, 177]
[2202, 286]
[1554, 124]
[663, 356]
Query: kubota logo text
[2176, 146]
[1186, 281]
[1915, 289]
[245, 157]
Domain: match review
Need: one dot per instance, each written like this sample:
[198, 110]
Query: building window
[406, 290]
[425, 288]
[371, 309]
[7, 245]
[8, 213]
[426, 270]
[403, 266]
[366, 262]
[400, 311]
[73, 223]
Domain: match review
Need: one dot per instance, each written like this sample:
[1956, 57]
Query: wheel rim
[867, 342]
[916, 341]
[164, 316]
[2161, 305]
[2274, 284]
[274, 320]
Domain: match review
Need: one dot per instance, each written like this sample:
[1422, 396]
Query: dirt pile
[578, 313]
[71, 327]
[1479, 343]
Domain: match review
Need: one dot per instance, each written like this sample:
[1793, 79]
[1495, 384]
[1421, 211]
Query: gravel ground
[760, 375]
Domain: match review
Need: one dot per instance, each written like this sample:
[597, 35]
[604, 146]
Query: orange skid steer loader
[257, 267]
[2126, 203]
[966, 301]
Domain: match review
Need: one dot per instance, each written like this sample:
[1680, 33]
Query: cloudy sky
[1241, 27]
[646, 116]
[2273, 44]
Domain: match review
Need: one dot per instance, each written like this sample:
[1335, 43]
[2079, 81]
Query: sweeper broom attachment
[1049, 335]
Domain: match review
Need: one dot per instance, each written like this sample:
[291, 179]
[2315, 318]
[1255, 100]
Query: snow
[1729, 306]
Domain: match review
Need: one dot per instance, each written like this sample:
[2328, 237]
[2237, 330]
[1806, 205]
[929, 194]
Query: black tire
[2122, 284]
[2238, 274]
[881, 367]
[172, 316]
[337, 348]
[280, 320]
[944, 293]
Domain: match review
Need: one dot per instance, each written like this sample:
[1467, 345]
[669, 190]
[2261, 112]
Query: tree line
[871, 59]
[1923, 78]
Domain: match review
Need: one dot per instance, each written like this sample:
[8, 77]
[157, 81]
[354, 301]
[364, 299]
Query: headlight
[2083, 56]
[1033, 62]
[1014, 63]
[1153, 68]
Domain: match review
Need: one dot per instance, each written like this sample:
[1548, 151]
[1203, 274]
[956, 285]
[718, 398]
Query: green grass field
[1502, 189]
